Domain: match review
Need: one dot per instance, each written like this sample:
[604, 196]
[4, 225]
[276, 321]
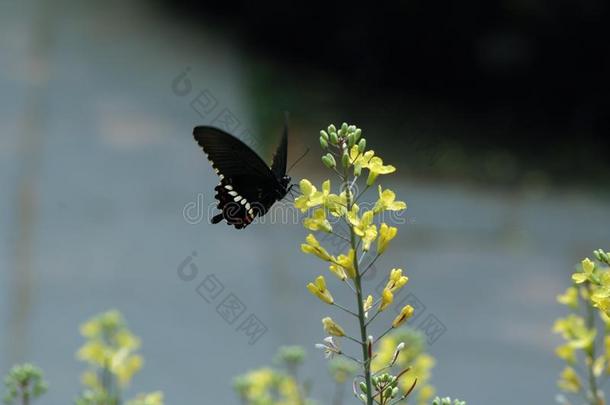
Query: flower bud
[362, 145]
[324, 134]
[334, 139]
[345, 159]
[357, 169]
[331, 128]
[350, 140]
[323, 142]
[329, 161]
[363, 387]
[357, 134]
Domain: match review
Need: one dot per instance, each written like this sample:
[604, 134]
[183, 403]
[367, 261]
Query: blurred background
[492, 111]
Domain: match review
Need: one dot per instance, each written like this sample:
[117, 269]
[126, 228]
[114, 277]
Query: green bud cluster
[602, 256]
[23, 383]
[338, 143]
[386, 385]
[290, 355]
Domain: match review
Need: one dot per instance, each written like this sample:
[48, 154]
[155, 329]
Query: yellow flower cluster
[110, 346]
[366, 226]
[588, 298]
[266, 386]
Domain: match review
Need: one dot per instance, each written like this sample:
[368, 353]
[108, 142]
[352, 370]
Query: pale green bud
[323, 143]
[329, 161]
[351, 140]
[362, 145]
[334, 139]
[345, 159]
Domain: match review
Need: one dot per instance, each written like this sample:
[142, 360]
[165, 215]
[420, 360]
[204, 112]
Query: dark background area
[525, 78]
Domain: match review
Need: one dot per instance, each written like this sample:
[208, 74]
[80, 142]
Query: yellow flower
[360, 159]
[396, 280]
[601, 299]
[332, 328]
[318, 222]
[376, 167]
[569, 298]
[587, 267]
[386, 202]
[405, 313]
[336, 204]
[386, 299]
[319, 290]
[574, 330]
[311, 198]
[95, 352]
[91, 380]
[567, 353]
[363, 227]
[425, 394]
[308, 190]
[344, 265]
[386, 234]
[154, 398]
[313, 247]
[338, 271]
[124, 365]
[368, 160]
[569, 380]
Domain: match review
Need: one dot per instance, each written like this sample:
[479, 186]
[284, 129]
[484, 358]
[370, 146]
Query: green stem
[25, 394]
[361, 319]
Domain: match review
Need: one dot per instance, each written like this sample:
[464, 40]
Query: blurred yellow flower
[574, 330]
[386, 234]
[313, 247]
[318, 288]
[124, 366]
[569, 298]
[567, 353]
[569, 380]
[154, 398]
[332, 328]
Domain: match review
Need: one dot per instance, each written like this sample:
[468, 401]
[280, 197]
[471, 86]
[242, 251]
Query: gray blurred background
[97, 167]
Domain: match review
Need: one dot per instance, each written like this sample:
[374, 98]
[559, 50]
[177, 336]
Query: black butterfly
[248, 186]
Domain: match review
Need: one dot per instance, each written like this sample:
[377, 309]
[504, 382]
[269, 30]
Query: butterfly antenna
[298, 160]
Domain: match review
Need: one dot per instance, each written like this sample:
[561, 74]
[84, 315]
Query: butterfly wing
[278, 167]
[247, 184]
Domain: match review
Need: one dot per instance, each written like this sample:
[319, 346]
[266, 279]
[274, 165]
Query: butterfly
[248, 186]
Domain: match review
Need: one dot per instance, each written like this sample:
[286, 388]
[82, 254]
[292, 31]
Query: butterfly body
[248, 186]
